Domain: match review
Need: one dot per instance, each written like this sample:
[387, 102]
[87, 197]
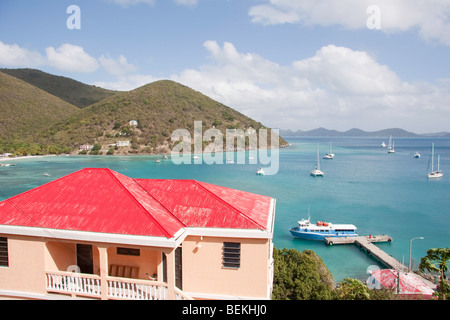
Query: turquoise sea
[380, 193]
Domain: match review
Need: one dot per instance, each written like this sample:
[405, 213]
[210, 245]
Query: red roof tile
[102, 200]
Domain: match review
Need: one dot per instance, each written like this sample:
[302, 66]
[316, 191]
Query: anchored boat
[330, 154]
[321, 230]
[391, 148]
[317, 172]
[435, 173]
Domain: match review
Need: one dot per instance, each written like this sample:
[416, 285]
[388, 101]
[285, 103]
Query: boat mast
[318, 159]
[432, 157]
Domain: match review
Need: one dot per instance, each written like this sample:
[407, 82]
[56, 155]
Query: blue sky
[290, 64]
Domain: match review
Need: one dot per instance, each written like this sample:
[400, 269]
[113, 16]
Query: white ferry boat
[322, 230]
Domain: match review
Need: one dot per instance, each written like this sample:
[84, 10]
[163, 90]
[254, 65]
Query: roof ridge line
[137, 201]
[229, 205]
[151, 195]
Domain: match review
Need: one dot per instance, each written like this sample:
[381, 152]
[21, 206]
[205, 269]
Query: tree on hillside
[300, 276]
[354, 289]
[304, 276]
[437, 260]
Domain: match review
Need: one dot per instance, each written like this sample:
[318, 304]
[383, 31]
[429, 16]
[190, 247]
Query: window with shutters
[3, 252]
[231, 255]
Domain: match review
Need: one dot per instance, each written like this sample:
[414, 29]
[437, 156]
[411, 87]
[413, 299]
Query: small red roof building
[410, 286]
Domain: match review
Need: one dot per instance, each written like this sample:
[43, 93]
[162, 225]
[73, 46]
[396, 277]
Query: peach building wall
[203, 272]
[26, 266]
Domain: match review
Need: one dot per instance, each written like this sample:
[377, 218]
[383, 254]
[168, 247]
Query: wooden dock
[366, 243]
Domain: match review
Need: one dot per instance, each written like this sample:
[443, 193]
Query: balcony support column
[170, 262]
[103, 265]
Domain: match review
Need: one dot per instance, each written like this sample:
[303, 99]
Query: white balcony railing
[131, 289]
[74, 283]
[87, 285]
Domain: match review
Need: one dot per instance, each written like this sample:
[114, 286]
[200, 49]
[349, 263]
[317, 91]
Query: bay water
[363, 185]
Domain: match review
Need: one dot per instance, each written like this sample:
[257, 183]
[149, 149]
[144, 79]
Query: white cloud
[71, 58]
[11, 55]
[116, 67]
[347, 71]
[338, 88]
[67, 57]
[431, 18]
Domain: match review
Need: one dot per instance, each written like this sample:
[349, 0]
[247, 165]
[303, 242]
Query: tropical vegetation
[437, 261]
[304, 276]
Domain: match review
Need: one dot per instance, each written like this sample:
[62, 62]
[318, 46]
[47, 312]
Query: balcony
[90, 286]
[111, 272]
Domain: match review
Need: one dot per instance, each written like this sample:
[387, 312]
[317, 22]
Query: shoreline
[3, 159]
[25, 157]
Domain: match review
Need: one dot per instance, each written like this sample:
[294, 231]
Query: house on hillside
[123, 143]
[133, 123]
[86, 147]
[98, 234]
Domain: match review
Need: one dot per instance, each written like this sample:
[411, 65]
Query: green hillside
[69, 90]
[26, 110]
[36, 119]
[160, 108]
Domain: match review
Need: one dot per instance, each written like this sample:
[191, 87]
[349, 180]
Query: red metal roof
[102, 200]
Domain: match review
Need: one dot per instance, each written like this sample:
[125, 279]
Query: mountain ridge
[74, 92]
[355, 132]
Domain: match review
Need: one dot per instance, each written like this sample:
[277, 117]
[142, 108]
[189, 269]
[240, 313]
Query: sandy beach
[6, 159]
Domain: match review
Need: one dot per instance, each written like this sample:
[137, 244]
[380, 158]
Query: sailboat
[317, 172]
[390, 148]
[438, 173]
[330, 154]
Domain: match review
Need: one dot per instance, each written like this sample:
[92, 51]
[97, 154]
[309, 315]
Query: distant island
[323, 132]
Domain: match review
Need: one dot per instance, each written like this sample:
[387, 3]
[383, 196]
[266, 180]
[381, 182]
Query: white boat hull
[435, 175]
[316, 173]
